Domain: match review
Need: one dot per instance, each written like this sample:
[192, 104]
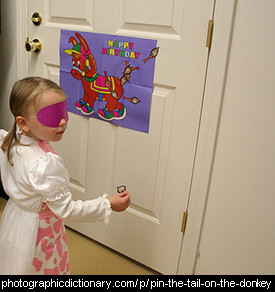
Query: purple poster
[108, 77]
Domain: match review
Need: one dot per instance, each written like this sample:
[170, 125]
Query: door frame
[22, 22]
[224, 13]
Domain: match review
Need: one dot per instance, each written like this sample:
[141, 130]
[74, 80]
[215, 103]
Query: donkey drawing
[97, 87]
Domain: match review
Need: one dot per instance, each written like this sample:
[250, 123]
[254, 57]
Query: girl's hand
[120, 202]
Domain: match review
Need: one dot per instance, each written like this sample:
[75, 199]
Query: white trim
[213, 97]
[22, 33]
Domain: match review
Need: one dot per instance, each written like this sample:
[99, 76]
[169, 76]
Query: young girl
[32, 233]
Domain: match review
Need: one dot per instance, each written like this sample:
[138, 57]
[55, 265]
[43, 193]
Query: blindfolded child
[32, 233]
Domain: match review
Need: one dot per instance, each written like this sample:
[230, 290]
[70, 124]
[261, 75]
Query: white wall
[238, 231]
[9, 55]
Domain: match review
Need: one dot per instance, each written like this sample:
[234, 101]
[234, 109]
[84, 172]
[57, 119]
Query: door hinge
[209, 33]
[184, 221]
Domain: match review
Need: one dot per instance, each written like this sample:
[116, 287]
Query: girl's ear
[22, 123]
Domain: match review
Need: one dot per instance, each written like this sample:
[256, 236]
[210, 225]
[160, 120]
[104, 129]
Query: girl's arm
[49, 178]
[91, 210]
[81, 211]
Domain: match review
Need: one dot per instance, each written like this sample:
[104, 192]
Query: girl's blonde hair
[24, 93]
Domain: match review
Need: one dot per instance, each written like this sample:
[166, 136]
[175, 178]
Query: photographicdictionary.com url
[140, 284]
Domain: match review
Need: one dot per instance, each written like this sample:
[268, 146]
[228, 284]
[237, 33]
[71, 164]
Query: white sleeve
[3, 134]
[49, 178]
[81, 211]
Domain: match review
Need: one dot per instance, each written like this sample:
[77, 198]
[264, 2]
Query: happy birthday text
[120, 49]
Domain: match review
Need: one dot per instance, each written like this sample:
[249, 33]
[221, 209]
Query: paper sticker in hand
[105, 77]
[121, 189]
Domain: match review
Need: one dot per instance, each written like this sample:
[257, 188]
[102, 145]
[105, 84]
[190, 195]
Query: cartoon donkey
[96, 87]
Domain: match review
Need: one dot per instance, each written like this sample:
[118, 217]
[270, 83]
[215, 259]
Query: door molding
[22, 32]
[213, 100]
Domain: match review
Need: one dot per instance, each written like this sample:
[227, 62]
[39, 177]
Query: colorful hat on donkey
[79, 48]
[82, 49]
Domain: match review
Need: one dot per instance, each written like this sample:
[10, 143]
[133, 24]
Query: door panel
[156, 167]
[69, 13]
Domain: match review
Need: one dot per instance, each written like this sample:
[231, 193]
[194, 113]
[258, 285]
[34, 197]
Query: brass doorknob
[36, 18]
[34, 46]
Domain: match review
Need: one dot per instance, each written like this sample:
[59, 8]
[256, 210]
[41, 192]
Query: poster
[108, 77]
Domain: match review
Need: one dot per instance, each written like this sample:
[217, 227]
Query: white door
[156, 167]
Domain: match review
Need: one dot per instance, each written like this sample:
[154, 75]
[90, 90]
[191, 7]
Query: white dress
[32, 233]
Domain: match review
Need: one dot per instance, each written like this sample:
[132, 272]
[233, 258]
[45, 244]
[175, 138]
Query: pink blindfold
[52, 115]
